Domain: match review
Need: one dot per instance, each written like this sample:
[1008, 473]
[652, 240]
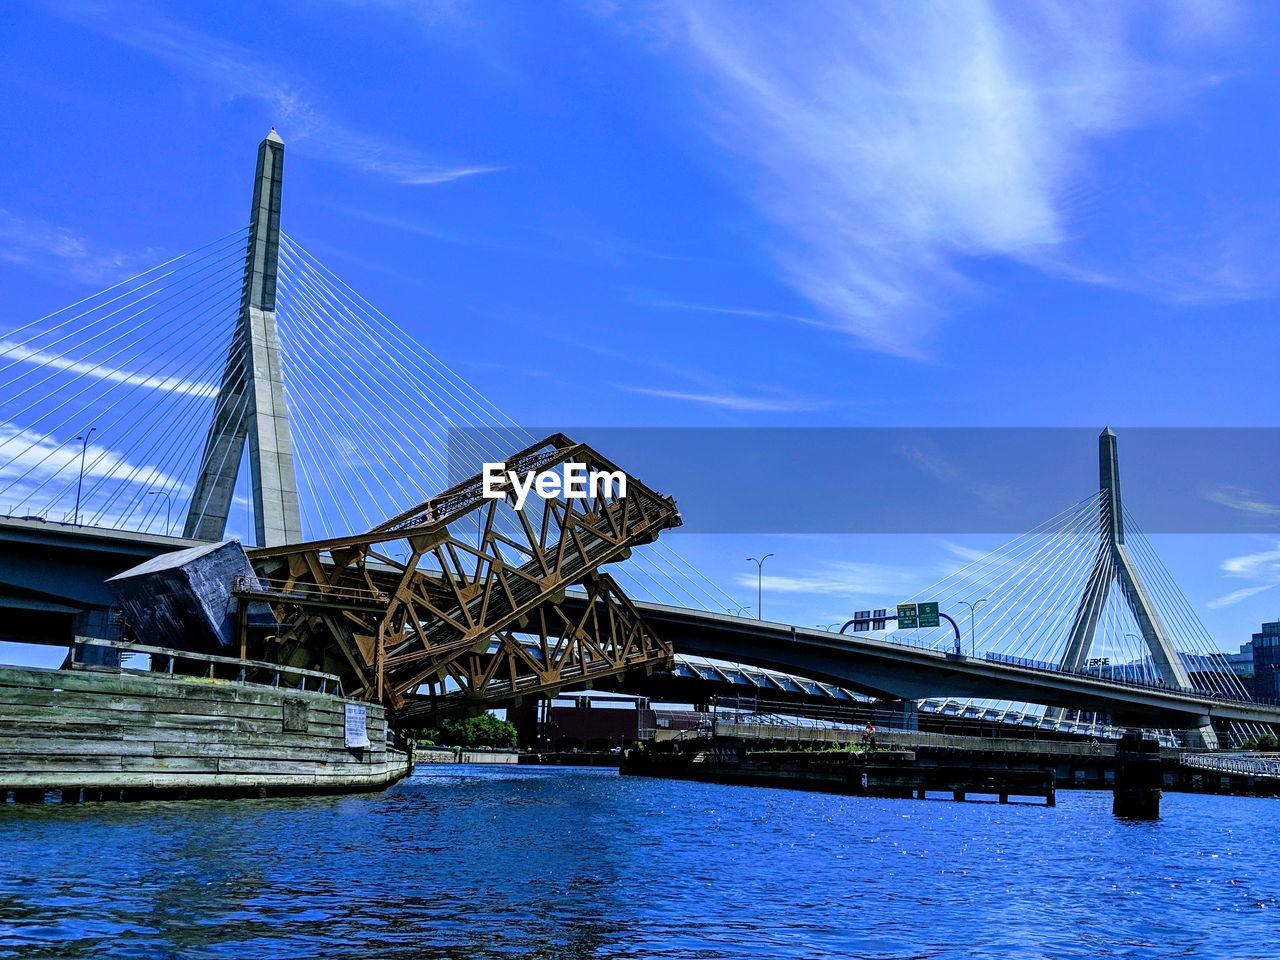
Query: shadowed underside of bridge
[888, 670]
[245, 386]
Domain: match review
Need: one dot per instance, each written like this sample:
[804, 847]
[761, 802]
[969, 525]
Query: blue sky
[978, 214]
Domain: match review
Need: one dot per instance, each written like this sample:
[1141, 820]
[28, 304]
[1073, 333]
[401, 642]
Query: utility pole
[84, 450]
[168, 507]
[973, 634]
[760, 583]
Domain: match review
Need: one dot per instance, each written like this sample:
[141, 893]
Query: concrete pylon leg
[251, 404]
[1202, 736]
[1115, 562]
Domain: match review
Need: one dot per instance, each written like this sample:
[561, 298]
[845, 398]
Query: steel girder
[548, 651]
[418, 601]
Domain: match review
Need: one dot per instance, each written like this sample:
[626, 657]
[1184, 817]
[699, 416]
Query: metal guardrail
[260, 587]
[164, 658]
[1048, 667]
[930, 646]
[1017, 725]
[1254, 766]
[751, 729]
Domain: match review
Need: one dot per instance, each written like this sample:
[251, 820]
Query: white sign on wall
[357, 725]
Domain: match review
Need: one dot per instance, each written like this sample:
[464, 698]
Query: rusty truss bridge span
[418, 610]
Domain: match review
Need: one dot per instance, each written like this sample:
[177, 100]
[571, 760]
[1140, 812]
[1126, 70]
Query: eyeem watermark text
[573, 482]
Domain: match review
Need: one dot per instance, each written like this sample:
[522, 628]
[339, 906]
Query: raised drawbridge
[460, 600]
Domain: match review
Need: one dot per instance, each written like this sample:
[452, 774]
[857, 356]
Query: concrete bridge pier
[1139, 778]
[1201, 736]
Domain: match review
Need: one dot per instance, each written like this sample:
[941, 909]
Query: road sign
[907, 616]
[927, 613]
[867, 620]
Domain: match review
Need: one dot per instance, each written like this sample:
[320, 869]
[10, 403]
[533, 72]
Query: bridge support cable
[143, 423]
[334, 337]
[177, 456]
[83, 352]
[1205, 661]
[1031, 585]
[129, 368]
[117, 404]
[1086, 593]
[452, 408]
[340, 395]
[391, 363]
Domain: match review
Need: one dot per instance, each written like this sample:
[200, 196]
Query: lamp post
[1133, 636]
[737, 611]
[84, 449]
[168, 506]
[973, 636]
[760, 583]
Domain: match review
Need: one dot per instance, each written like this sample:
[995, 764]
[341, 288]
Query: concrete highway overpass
[51, 587]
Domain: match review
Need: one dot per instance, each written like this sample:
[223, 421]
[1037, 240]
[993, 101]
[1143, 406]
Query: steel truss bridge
[246, 380]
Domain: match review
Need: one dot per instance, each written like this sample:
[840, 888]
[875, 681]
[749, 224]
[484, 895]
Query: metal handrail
[325, 682]
[1252, 766]
[1049, 667]
[896, 639]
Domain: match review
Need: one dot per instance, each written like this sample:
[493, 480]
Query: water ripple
[481, 862]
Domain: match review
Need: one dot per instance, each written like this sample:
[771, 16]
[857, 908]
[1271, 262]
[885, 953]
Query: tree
[483, 730]
[1267, 743]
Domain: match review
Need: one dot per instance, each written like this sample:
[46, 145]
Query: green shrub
[483, 730]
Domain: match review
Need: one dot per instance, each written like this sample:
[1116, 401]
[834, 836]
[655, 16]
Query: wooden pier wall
[885, 773]
[102, 733]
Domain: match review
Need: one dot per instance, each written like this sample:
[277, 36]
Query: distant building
[1266, 662]
[1242, 666]
[583, 722]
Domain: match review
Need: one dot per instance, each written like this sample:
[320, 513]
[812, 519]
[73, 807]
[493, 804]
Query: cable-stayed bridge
[245, 389]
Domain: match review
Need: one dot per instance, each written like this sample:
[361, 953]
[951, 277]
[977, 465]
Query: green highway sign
[927, 613]
[907, 616]
[914, 615]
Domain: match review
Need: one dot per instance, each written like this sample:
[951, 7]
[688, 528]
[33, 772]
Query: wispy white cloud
[1263, 568]
[845, 579]
[31, 241]
[730, 401]
[1242, 499]
[895, 143]
[748, 312]
[1235, 596]
[965, 554]
[232, 71]
[39, 476]
[21, 353]
[933, 463]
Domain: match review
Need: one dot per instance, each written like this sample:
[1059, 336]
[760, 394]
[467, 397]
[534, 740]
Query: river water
[487, 861]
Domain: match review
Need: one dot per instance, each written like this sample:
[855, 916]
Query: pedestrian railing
[166, 661]
[1253, 766]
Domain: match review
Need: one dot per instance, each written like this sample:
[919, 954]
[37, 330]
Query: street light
[826, 626]
[1139, 639]
[737, 611]
[973, 636]
[168, 506]
[760, 583]
[84, 449]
